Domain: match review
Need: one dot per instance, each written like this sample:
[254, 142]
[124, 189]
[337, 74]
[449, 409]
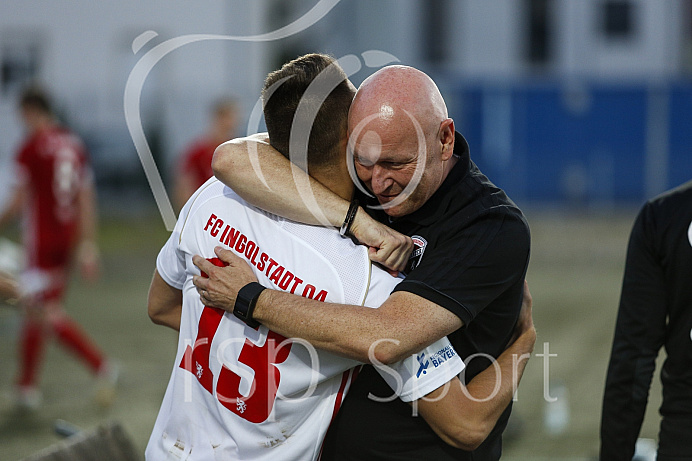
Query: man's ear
[447, 138]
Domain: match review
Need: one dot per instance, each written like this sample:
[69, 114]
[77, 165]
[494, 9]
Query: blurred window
[540, 31]
[618, 18]
[20, 60]
[436, 33]
[279, 14]
[687, 38]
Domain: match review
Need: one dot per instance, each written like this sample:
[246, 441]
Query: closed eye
[363, 162]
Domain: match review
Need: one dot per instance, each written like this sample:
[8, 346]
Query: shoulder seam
[189, 210]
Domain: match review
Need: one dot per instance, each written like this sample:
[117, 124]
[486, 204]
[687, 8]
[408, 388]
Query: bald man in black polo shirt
[464, 278]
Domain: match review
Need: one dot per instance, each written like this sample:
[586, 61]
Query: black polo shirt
[471, 255]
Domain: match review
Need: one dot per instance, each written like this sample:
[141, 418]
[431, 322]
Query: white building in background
[516, 38]
[83, 51]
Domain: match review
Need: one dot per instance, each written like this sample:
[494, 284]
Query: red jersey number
[258, 404]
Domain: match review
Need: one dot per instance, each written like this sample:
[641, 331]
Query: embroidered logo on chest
[419, 244]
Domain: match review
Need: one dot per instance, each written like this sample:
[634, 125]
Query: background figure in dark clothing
[655, 310]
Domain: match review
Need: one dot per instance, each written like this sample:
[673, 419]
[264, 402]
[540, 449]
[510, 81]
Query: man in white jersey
[243, 392]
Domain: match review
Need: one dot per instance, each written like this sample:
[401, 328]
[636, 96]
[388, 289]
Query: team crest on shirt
[241, 406]
[419, 244]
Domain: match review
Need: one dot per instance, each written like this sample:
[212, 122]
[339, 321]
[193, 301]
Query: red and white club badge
[419, 244]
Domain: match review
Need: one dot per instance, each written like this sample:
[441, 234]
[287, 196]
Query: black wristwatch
[245, 303]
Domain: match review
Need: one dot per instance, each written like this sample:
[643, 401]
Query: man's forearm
[387, 334]
[502, 379]
[277, 186]
[393, 331]
[316, 322]
[465, 419]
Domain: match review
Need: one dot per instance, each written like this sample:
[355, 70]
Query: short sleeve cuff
[167, 258]
[422, 373]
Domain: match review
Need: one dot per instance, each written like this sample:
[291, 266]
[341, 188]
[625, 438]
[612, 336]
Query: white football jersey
[240, 393]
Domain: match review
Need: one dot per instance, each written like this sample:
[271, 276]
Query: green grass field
[575, 275]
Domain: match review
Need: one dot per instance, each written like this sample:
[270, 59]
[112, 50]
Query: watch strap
[245, 303]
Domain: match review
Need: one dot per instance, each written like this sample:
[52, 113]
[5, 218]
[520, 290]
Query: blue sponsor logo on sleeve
[436, 359]
[424, 363]
[441, 356]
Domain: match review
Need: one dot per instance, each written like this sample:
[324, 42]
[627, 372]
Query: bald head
[401, 138]
[387, 95]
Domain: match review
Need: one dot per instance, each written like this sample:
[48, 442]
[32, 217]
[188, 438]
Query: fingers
[393, 253]
[202, 264]
[201, 283]
[392, 263]
[206, 292]
[404, 253]
[221, 278]
[387, 247]
[203, 296]
[372, 253]
[225, 255]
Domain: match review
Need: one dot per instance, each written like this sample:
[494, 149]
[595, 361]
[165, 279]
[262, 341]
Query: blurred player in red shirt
[55, 195]
[195, 163]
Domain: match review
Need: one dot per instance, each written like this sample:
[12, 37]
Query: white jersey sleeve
[170, 263]
[421, 373]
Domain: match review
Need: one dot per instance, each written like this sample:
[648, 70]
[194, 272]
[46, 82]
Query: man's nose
[380, 180]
